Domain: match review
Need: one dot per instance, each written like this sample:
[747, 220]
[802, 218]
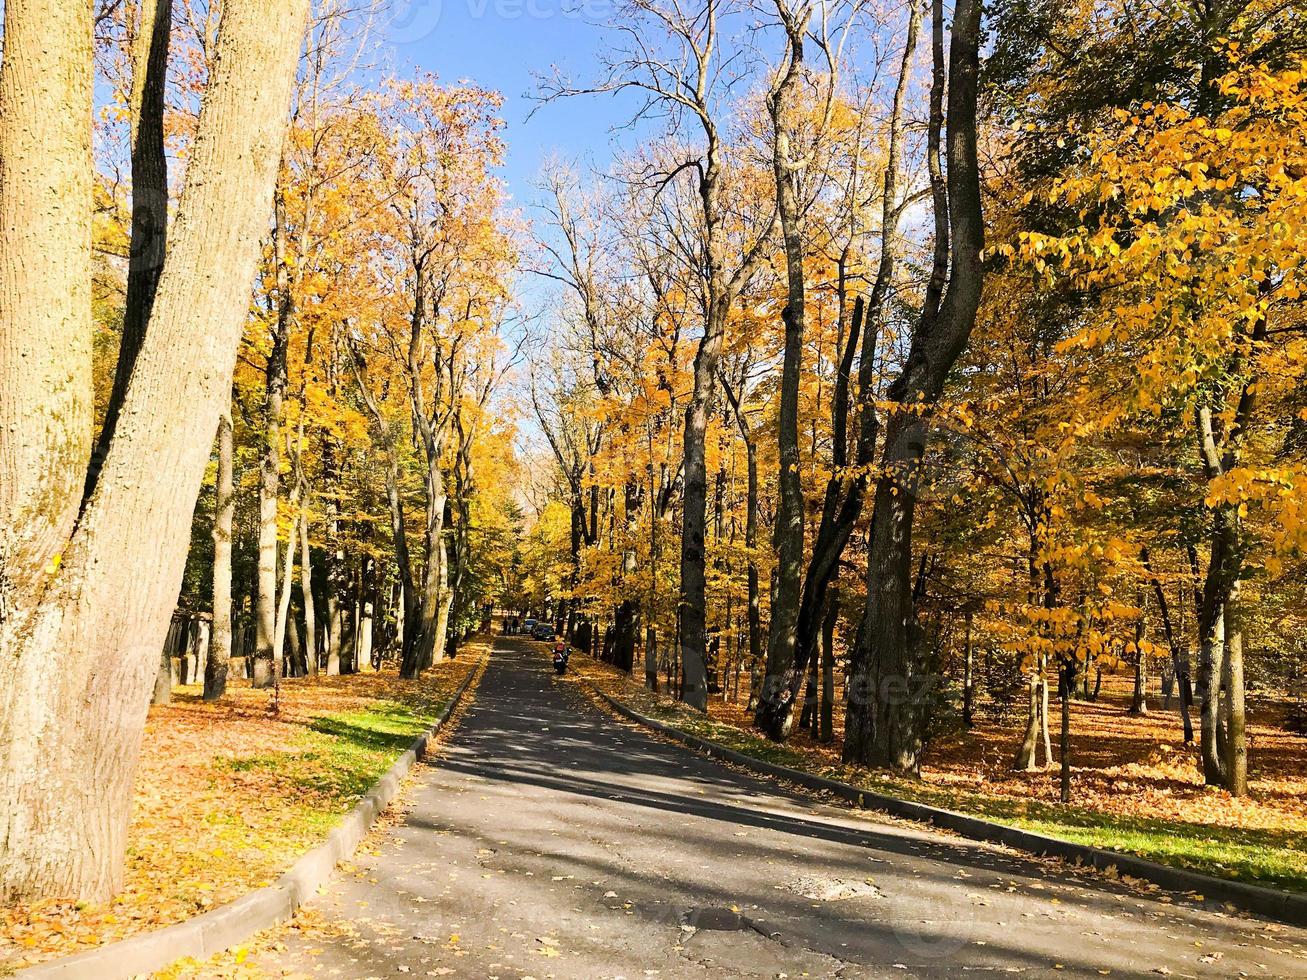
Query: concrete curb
[224, 927]
[1268, 902]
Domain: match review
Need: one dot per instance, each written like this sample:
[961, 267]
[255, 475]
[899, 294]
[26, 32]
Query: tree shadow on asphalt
[571, 748]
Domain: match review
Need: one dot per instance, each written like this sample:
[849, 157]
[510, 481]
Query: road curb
[1270, 903]
[224, 927]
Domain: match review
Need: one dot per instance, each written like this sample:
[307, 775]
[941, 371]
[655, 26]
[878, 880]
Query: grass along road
[229, 795]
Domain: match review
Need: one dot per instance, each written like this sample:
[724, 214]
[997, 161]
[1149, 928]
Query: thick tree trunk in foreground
[1027, 755]
[433, 608]
[1211, 665]
[890, 689]
[83, 623]
[215, 669]
[45, 299]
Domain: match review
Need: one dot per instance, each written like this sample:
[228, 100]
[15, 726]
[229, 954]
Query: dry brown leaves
[203, 833]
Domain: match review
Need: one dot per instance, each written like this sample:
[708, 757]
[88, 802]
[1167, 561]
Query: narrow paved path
[552, 841]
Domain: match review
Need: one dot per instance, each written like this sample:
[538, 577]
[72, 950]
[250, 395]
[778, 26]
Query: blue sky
[499, 44]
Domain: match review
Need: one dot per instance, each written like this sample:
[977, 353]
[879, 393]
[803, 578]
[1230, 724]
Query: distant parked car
[529, 625]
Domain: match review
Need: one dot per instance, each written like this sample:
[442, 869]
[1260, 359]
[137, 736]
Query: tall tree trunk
[306, 587]
[335, 625]
[1027, 757]
[267, 657]
[627, 616]
[826, 726]
[1236, 747]
[410, 666]
[968, 675]
[45, 301]
[886, 720]
[1220, 442]
[335, 561]
[693, 617]
[1139, 700]
[1179, 656]
[367, 616]
[411, 620]
[215, 670]
[283, 602]
[750, 546]
[433, 609]
[82, 640]
[651, 658]
[294, 660]
[149, 232]
[1211, 663]
[1043, 719]
[845, 496]
[774, 713]
[1064, 690]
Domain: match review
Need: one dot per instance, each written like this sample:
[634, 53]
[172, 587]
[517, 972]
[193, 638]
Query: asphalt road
[552, 841]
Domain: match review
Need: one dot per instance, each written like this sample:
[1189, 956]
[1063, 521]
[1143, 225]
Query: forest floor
[229, 795]
[1137, 788]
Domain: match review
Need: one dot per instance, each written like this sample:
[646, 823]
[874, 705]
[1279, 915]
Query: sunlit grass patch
[229, 795]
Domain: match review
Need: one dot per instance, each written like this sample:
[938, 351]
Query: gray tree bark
[45, 300]
[215, 669]
[267, 656]
[82, 641]
[774, 714]
[845, 495]
[306, 587]
[886, 719]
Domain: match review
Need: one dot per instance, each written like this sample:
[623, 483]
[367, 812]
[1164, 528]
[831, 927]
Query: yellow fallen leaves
[205, 829]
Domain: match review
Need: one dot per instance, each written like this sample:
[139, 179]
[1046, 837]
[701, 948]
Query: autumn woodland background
[919, 398]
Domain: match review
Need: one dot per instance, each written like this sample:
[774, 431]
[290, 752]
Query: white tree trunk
[365, 638]
[219, 660]
[45, 299]
[306, 586]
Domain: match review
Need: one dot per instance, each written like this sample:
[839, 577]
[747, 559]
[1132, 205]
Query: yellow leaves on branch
[1279, 493]
[1190, 225]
